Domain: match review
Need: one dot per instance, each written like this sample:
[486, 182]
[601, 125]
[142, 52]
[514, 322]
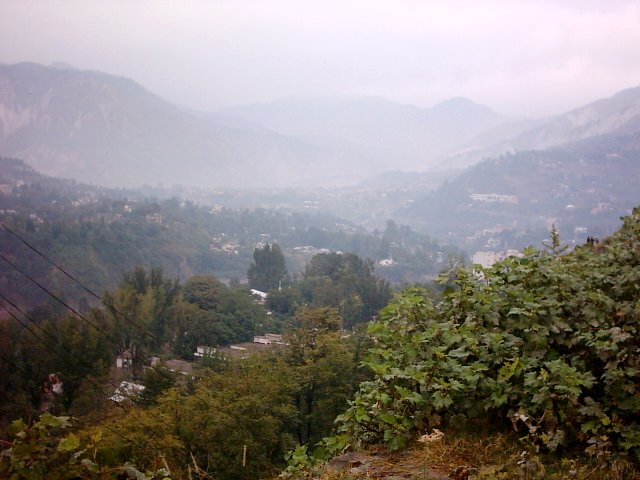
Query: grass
[483, 457]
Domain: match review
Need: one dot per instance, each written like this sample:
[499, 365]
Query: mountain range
[400, 137]
[109, 130]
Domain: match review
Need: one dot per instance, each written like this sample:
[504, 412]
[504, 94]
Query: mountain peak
[63, 66]
[461, 104]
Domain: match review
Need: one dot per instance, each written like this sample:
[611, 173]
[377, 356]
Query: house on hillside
[260, 296]
[125, 359]
[204, 351]
[127, 391]
[269, 339]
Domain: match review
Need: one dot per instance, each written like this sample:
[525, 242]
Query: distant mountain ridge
[619, 114]
[109, 130]
[616, 115]
[401, 137]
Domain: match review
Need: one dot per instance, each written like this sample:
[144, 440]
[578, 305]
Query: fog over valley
[251, 239]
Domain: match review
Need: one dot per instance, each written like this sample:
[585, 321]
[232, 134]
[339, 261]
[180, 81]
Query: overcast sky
[530, 58]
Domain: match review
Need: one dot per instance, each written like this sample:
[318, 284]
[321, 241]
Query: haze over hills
[109, 130]
[616, 115]
[512, 201]
[619, 114]
[402, 137]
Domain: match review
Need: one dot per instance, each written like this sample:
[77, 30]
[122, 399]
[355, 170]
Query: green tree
[213, 314]
[141, 310]
[544, 341]
[268, 269]
[324, 366]
[346, 282]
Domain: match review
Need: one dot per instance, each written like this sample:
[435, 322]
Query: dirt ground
[379, 464]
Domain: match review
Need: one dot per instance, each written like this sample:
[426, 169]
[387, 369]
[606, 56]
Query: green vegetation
[346, 282]
[545, 344]
[236, 421]
[267, 403]
[268, 269]
[98, 234]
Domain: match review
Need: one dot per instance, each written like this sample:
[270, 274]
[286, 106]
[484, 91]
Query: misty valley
[314, 287]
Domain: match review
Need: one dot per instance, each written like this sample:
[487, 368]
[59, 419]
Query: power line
[26, 327]
[36, 251]
[96, 387]
[112, 308]
[51, 294]
[29, 377]
[45, 332]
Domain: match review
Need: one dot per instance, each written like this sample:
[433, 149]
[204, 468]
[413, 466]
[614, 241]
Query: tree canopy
[267, 269]
[545, 344]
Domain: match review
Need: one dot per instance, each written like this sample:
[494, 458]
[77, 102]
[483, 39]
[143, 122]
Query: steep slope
[617, 115]
[99, 128]
[582, 188]
[401, 136]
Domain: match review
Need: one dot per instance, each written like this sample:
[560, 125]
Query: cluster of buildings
[494, 198]
[130, 390]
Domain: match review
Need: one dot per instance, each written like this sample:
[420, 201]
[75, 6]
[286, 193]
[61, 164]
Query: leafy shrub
[549, 342]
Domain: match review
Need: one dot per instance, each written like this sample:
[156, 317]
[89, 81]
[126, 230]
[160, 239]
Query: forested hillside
[512, 200]
[99, 234]
[544, 346]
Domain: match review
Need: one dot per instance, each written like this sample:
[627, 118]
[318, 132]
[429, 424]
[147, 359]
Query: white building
[204, 351]
[269, 339]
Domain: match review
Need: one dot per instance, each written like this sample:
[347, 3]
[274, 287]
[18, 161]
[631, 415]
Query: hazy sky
[519, 57]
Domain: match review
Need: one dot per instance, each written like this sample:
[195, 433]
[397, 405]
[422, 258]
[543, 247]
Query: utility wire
[95, 386]
[107, 427]
[46, 333]
[112, 308]
[67, 274]
[37, 252]
[51, 294]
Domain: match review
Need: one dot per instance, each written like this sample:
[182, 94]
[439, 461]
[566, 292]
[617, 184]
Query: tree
[268, 268]
[543, 340]
[346, 282]
[324, 367]
[141, 309]
[213, 314]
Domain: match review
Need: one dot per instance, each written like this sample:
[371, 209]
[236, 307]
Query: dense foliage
[235, 421]
[346, 282]
[267, 269]
[97, 234]
[547, 344]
